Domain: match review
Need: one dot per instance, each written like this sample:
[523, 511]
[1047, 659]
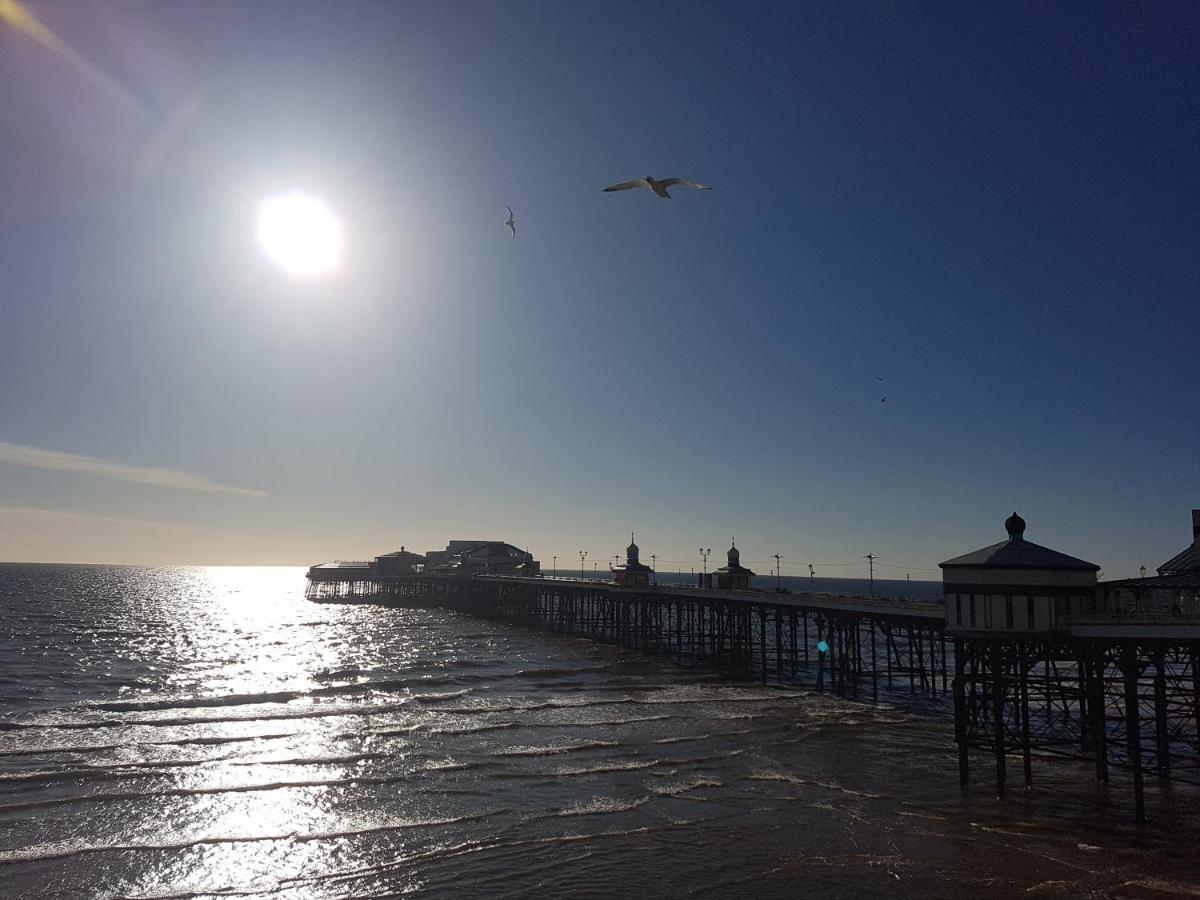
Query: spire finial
[1015, 526]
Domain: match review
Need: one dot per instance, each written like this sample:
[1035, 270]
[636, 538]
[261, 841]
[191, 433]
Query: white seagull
[659, 187]
[511, 223]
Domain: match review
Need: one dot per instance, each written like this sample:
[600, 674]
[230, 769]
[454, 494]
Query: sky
[994, 208]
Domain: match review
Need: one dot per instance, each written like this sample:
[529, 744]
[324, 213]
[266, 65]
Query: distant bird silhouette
[659, 187]
[512, 222]
[877, 378]
[884, 400]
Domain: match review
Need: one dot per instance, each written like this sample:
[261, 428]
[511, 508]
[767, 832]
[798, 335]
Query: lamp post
[616, 559]
[778, 583]
[554, 571]
[582, 557]
[654, 566]
[870, 558]
[1142, 571]
[595, 568]
[704, 556]
[812, 577]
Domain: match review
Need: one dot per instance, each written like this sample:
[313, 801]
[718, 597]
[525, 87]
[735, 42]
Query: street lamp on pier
[812, 577]
[704, 556]
[778, 582]
[654, 566]
[582, 557]
[554, 571]
[870, 558]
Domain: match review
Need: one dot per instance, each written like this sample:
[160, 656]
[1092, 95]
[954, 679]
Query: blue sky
[993, 208]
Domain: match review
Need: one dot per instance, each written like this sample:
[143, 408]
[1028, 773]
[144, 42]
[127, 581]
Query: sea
[208, 732]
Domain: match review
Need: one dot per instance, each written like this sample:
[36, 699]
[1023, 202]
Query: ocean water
[206, 732]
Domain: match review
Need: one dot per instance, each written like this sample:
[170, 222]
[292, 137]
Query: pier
[1035, 657]
[747, 634]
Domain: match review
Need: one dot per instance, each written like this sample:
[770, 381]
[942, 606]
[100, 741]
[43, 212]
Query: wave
[390, 685]
[450, 765]
[550, 672]
[313, 760]
[675, 790]
[347, 781]
[438, 698]
[599, 806]
[809, 782]
[683, 738]
[609, 767]
[196, 702]
[555, 749]
[100, 748]
[465, 848]
[178, 721]
[465, 729]
[106, 771]
[64, 850]
[631, 720]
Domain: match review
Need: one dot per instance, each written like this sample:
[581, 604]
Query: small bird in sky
[512, 222]
[877, 378]
[884, 400]
[659, 187]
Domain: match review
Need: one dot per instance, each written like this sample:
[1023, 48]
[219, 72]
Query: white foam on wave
[608, 767]
[602, 806]
[683, 738]
[555, 749]
[683, 787]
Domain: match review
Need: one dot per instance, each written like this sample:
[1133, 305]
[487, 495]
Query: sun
[300, 234]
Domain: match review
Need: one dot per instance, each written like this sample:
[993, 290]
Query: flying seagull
[511, 223]
[659, 187]
[877, 378]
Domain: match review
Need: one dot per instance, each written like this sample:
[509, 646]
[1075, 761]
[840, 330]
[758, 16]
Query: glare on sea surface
[300, 234]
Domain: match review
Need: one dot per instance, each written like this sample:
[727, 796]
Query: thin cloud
[54, 460]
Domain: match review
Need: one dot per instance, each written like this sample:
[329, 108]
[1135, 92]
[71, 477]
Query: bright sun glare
[300, 234]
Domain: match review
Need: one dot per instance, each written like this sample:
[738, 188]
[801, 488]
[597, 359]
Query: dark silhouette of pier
[1109, 686]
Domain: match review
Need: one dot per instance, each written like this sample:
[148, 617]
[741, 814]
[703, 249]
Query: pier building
[1015, 586]
[634, 573]
[481, 558]
[401, 562]
[733, 576]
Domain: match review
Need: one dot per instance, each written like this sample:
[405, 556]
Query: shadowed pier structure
[853, 646]
[1049, 661]
[1045, 660]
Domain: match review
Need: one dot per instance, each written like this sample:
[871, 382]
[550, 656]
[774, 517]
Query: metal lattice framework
[1129, 703]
